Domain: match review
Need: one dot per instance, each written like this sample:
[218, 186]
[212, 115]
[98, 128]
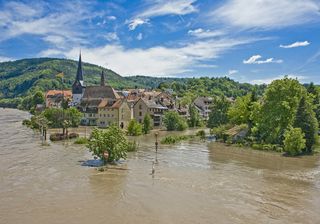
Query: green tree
[294, 141]
[174, 122]
[146, 124]
[194, 119]
[219, 112]
[111, 140]
[278, 110]
[306, 120]
[240, 111]
[38, 98]
[134, 128]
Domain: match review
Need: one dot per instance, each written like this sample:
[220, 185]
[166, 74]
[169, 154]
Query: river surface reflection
[193, 183]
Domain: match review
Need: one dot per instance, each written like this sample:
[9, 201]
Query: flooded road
[193, 183]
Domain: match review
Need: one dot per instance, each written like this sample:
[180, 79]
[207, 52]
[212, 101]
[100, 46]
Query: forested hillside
[23, 77]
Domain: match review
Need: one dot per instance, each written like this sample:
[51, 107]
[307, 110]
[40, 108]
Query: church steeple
[102, 81]
[79, 76]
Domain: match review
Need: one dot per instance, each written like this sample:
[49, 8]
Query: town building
[78, 87]
[92, 98]
[203, 105]
[55, 98]
[114, 113]
[149, 106]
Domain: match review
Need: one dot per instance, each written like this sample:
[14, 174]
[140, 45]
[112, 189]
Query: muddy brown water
[193, 183]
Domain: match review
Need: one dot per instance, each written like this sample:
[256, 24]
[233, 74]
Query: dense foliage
[112, 141]
[174, 122]
[23, 78]
[194, 120]
[219, 112]
[294, 141]
[134, 128]
[146, 124]
[306, 120]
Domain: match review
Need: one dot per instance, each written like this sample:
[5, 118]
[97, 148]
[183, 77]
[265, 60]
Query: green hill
[22, 77]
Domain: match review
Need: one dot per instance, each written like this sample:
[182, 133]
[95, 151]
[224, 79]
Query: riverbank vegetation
[283, 119]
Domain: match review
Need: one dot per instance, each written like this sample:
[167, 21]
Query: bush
[134, 128]
[201, 134]
[174, 122]
[81, 141]
[132, 146]
[294, 141]
[173, 139]
[60, 136]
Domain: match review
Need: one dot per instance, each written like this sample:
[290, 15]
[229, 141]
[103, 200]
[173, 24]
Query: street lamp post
[156, 143]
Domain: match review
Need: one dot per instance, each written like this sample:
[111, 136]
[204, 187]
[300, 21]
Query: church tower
[78, 85]
[102, 81]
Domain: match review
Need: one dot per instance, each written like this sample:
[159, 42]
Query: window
[140, 113]
[104, 115]
[140, 106]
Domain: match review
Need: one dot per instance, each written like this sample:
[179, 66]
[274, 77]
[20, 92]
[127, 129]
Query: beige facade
[118, 114]
[143, 107]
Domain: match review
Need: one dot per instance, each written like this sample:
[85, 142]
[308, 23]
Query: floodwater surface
[194, 182]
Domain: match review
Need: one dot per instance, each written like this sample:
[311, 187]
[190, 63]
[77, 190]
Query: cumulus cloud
[266, 14]
[296, 44]
[157, 60]
[255, 60]
[201, 33]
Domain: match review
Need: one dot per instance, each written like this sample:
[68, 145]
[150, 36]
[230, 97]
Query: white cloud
[232, 72]
[200, 33]
[296, 44]
[112, 36]
[58, 27]
[139, 36]
[173, 7]
[255, 60]
[266, 14]
[269, 80]
[111, 17]
[134, 23]
[162, 8]
[158, 60]
[4, 59]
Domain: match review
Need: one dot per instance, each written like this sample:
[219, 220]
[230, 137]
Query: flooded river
[193, 183]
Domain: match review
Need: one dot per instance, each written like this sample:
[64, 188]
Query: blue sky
[251, 41]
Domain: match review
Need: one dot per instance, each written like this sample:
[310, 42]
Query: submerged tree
[109, 145]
